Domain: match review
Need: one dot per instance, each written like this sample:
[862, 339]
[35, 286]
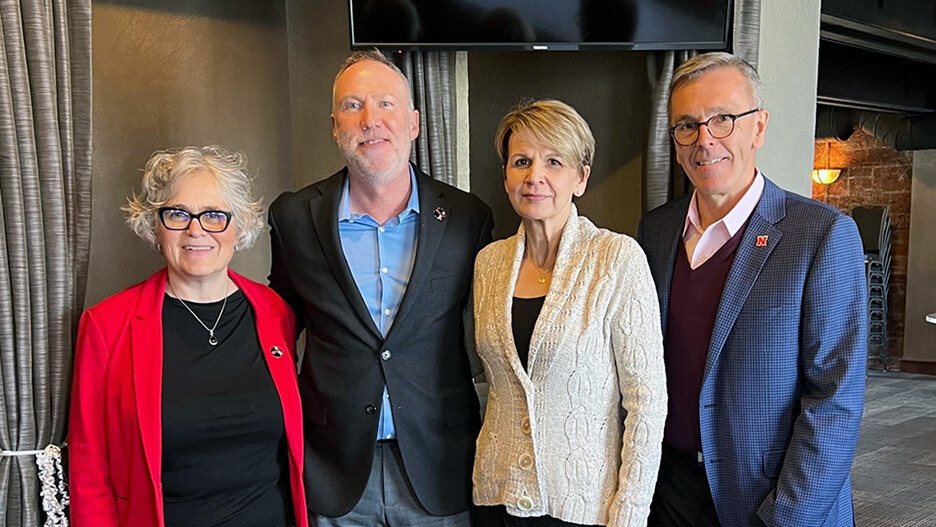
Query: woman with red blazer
[185, 406]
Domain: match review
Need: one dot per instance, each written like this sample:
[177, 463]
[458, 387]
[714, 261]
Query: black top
[694, 298]
[524, 313]
[224, 441]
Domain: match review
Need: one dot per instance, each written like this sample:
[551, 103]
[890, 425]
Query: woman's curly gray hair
[166, 168]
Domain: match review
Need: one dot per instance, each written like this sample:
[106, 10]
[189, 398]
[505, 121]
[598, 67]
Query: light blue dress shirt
[381, 260]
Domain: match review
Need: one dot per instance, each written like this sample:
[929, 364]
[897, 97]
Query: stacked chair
[875, 228]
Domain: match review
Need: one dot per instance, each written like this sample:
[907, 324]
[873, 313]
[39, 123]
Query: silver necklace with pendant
[211, 336]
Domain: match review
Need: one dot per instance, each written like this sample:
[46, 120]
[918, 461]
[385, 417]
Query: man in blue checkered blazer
[763, 302]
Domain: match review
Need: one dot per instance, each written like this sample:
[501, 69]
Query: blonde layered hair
[552, 123]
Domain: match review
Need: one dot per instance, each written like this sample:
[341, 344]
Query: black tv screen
[540, 24]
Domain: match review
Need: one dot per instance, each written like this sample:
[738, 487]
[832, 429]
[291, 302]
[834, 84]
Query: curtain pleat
[432, 75]
[45, 207]
[746, 35]
[663, 179]
[659, 158]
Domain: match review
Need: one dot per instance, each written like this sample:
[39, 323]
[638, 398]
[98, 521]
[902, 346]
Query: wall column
[788, 63]
[919, 354]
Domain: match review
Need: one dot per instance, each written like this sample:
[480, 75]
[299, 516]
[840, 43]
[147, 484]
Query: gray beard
[368, 174]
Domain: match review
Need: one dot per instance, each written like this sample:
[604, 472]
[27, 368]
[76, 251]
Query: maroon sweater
[693, 305]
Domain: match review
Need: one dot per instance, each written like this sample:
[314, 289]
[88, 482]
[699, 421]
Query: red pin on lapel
[761, 241]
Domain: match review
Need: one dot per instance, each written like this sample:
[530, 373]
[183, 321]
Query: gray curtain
[663, 179]
[432, 75]
[45, 207]
[658, 170]
[745, 41]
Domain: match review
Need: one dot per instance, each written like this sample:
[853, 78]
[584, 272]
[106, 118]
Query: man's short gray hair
[373, 55]
[696, 66]
[166, 168]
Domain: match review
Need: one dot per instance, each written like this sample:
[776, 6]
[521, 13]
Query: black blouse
[224, 440]
[524, 313]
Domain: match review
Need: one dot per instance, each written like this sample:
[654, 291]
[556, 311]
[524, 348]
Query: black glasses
[179, 219]
[719, 126]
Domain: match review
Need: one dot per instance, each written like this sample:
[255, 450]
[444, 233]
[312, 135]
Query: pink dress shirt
[701, 243]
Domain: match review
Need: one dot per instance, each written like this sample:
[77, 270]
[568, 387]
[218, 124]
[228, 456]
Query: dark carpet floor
[894, 475]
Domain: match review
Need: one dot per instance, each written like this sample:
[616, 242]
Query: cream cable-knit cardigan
[553, 441]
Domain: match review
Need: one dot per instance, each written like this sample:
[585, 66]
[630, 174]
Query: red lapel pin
[761, 241]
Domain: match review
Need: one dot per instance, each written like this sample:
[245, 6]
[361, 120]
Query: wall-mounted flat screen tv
[540, 24]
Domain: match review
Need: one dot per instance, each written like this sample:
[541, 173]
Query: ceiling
[878, 55]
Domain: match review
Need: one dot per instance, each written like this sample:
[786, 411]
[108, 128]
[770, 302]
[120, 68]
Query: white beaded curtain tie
[53, 491]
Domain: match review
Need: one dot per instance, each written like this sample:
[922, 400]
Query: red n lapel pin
[761, 241]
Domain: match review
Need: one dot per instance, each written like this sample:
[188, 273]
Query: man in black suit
[377, 262]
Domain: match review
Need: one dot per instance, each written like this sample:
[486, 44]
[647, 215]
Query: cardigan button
[525, 425]
[525, 503]
[276, 352]
[525, 461]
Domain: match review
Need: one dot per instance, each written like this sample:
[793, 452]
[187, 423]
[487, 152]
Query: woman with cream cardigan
[568, 330]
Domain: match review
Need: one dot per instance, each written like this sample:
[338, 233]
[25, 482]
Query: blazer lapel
[431, 231]
[323, 209]
[667, 249]
[147, 355]
[270, 331]
[753, 252]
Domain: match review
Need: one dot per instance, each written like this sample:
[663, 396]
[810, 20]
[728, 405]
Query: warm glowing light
[825, 176]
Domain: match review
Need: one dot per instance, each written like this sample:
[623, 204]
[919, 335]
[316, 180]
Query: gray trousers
[389, 500]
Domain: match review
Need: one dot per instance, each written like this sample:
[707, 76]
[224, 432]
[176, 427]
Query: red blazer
[115, 434]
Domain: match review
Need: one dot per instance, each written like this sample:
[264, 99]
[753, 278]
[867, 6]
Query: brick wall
[874, 174]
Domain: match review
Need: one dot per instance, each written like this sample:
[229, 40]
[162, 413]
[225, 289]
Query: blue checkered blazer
[783, 387]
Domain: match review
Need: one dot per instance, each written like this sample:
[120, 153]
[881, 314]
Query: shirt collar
[737, 216]
[344, 204]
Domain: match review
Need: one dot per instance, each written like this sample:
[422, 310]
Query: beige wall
[788, 63]
[171, 74]
[920, 336]
[608, 88]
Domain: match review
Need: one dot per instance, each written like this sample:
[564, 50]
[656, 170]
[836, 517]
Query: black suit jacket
[422, 360]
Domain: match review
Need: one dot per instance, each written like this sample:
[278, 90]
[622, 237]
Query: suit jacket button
[370, 409]
[385, 354]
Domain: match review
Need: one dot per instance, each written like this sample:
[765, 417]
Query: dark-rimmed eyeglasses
[179, 219]
[719, 126]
